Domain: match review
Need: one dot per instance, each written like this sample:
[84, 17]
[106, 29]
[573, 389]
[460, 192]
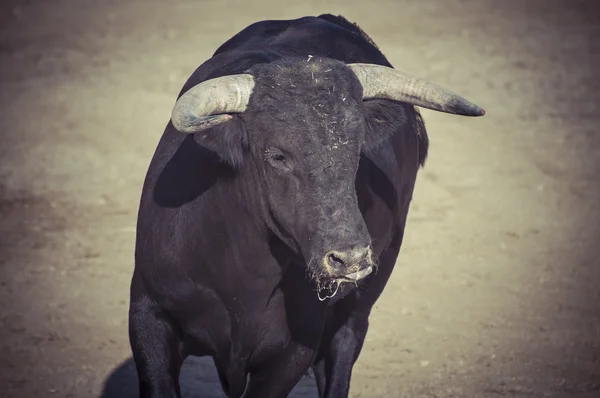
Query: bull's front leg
[340, 348]
[155, 343]
[347, 328]
[278, 377]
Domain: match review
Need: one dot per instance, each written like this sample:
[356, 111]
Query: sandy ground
[497, 289]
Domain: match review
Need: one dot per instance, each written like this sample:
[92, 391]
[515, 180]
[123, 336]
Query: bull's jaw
[352, 277]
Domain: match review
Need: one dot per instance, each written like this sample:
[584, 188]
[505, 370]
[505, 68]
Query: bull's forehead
[312, 101]
[308, 80]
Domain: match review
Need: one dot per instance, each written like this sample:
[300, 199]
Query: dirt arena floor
[497, 289]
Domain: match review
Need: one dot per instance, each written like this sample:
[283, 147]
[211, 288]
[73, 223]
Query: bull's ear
[229, 140]
[383, 119]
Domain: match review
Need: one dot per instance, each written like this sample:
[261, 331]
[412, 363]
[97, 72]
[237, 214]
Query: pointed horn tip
[477, 112]
[471, 110]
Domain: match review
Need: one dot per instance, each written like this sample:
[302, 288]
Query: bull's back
[327, 36]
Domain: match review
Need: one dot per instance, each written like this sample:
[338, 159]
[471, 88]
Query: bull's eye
[277, 159]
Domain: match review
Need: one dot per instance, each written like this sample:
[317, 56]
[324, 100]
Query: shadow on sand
[198, 379]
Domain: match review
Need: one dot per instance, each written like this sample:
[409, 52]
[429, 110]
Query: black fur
[228, 140]
[236, 221]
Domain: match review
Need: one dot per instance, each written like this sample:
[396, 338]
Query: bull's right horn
[211, 102]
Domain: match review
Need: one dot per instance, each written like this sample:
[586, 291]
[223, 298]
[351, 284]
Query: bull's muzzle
[348, 265]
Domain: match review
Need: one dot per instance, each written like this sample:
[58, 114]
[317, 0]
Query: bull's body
[211, 280]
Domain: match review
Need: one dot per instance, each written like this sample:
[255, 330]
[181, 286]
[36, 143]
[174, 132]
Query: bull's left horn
[383, 82]
[211, 102]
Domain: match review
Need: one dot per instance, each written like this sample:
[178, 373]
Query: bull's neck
[242, 214]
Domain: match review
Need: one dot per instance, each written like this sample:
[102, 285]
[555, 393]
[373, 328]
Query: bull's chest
[252, 330]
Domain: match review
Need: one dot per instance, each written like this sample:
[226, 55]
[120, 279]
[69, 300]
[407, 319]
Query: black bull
[256, 211]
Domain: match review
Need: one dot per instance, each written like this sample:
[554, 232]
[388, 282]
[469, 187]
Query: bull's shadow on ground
[198, 379]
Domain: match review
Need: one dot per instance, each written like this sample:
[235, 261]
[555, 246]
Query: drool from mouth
[330, 289]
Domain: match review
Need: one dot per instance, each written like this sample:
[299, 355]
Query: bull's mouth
[356, 276]
[331, 289]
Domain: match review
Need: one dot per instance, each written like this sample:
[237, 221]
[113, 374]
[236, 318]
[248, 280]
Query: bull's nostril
[345, 261]
[334, 260]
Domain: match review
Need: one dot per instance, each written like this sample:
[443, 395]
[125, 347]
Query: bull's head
[303, 124]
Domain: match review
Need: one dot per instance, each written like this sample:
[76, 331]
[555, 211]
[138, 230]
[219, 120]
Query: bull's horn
[383, 82]
[210, 102]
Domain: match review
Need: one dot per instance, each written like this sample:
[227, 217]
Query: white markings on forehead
[337, 144]
[335, 139]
